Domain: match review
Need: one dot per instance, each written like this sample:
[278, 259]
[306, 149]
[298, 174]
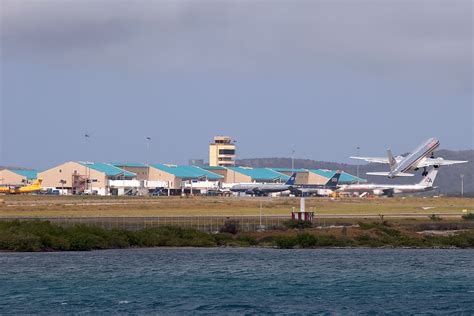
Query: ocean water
[238, 281]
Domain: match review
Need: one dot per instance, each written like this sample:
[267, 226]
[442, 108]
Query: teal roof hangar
[213, 167]
[28, 174]
[345, 178]
[188, 172]
[289, 170]
[129, 164]
[109, 169]
[261, 174]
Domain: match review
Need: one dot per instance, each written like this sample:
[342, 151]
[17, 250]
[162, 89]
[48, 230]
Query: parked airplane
[34, 187]
[425, 185]
[317, 189]
[418, 158]
[264, 188]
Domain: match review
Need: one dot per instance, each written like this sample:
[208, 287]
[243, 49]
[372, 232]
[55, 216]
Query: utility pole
[293, 161]
[462, 185]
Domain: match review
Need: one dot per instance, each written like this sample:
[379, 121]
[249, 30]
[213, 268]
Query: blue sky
[319, 77]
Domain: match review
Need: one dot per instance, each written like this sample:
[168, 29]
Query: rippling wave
[239, 281]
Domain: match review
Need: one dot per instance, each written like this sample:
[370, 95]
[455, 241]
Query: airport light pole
[293, 161]
[148, 141]
[87, 136]
[235, 157]
[462, 184]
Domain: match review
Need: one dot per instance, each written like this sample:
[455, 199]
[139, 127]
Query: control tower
[222, 152]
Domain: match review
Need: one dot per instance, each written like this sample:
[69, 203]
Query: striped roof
[213, 167]
[129, 164]
[261, 174]
[109, 169]
[187, 172]
[29, 174]
[289, 170]
[345, 178]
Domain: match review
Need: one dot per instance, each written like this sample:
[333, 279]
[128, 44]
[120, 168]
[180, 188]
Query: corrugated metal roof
[29, 174]
[212, 167]
[129, 164]
[108, 169]
[345, 178]
[289, 170]
[261, 174]
[187, 172]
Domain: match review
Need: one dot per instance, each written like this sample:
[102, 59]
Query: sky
[317, 77]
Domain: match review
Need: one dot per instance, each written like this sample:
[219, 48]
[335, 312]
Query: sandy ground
[89, 206]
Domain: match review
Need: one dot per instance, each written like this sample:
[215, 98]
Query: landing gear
[425, 172]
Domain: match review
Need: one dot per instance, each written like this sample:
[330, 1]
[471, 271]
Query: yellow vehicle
[32, 188]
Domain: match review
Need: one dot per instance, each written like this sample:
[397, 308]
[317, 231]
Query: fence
[203, 223]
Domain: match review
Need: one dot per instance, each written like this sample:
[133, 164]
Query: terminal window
[226, 151]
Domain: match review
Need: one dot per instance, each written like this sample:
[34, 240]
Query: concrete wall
[8, 177]
[314, 178]
[159, 175]
[301, 177]
[239, 177]
[141, 172]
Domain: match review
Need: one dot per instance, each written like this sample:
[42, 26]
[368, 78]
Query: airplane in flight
[421, 157]
[317, 189]
[32, 188]
[425, 185]
[261, 189]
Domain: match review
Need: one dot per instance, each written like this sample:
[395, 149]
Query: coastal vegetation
[468, 217]
[44, 236]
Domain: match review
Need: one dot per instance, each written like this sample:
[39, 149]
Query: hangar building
[84, 177]
[176, 176]
[17, 176]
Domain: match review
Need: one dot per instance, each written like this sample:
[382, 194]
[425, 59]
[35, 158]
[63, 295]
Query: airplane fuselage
[260, 188]
[381, 189]
[410, 162]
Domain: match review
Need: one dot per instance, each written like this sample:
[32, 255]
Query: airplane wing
[372, 159]
[438, 162]
[400, 174]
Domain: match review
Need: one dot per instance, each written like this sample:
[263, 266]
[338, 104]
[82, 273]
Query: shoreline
[44, 236]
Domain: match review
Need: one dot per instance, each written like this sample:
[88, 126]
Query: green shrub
[247, 241]
[223, 239]
[285, 242]
[299, 224]
[231, 227]
[435, 217]
[468, 217]
[306, 240]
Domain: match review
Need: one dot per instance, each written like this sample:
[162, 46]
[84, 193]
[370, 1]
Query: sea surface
[238, 281]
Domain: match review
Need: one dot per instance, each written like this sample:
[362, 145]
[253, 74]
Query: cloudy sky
[319, 77]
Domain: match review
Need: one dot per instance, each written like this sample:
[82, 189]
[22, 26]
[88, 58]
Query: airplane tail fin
[429, 179]
[37, 182]
[291, 180]
[391, 159]
[332, 183]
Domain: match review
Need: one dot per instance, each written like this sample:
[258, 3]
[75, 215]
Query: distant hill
[448, 179]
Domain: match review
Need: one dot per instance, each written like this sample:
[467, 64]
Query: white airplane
[261, 189]
[421, 157]
[425, 185]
